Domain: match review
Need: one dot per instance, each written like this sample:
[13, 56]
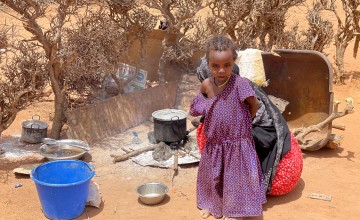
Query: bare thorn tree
[69, 67]
[252, 23]
[96, 50]
[50, 42]
[347, 30]
[270, 17]
[180, 21]
[317, 37]
[99, 50]
[137, 23]
[320, 33]
[23, 75]
[232, 14]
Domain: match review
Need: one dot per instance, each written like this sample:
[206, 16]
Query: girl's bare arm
[204, 87]
[253, 105]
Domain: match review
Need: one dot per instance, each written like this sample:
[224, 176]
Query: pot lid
[35, 124]
[169, 114]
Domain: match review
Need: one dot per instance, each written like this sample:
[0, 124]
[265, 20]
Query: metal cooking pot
[33, 130]
[169, 125]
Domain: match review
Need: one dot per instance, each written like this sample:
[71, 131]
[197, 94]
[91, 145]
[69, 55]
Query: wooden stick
[335, 114]
[176, 160]
[126, 150]
[338, 126]
[135, 152]
[123, 149]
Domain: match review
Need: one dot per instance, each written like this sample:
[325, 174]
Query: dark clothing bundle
[271, 136]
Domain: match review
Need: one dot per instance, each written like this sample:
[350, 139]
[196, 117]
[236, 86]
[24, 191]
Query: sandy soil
[327, 171]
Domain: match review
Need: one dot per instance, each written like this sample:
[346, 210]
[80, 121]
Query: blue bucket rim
[62, 185]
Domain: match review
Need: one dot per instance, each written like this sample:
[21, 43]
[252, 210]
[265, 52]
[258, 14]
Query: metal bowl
[65, 149]
[152, 193]
[48, 141]
[61, 152]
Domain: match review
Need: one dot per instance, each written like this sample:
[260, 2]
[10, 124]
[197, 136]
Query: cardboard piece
[26, 168]
[320, 196]
[124, 72]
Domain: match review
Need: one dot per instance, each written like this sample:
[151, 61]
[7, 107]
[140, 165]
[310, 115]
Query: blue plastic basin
[63, 187]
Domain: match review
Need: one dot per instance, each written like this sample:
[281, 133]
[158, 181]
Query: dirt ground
[327, 171]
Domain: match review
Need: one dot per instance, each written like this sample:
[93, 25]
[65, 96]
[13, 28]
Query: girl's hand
[253, 105]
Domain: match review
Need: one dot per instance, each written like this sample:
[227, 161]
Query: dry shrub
[97, 44]
[81, 43]
[320, 33]
[269, 18]
[181, 23]
[261, 24]
[251, 23]
[317, 37]
[193, 40]
[3, 36]
[229, 16]
[348, 29]
[23, 77]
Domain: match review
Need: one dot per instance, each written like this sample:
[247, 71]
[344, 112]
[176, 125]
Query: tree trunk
[162, 61]
[60, 101]
[262, 38]
[231, 33]
[339, 61]
[59, 116]
[356, 45]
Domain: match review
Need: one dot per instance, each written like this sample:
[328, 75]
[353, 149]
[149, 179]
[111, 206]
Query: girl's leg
[239, 218]
[204, 213]
[201, 141]
[245, 218]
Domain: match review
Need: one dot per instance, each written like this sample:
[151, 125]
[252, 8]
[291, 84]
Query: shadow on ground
[292, 196]
[326, 152]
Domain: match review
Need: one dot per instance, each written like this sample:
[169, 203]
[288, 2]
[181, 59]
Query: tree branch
[302, 132]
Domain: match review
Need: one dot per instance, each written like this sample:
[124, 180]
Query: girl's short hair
[220, 43]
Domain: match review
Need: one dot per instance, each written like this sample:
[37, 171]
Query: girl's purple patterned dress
[229, 181]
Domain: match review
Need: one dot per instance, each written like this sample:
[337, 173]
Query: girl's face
[221, 64]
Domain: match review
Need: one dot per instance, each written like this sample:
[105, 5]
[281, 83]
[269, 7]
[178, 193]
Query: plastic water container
[63, 187]
[136, 139]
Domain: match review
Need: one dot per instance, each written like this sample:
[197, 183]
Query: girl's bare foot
[204, 213]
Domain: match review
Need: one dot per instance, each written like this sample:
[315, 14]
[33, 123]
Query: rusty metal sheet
[304, 79]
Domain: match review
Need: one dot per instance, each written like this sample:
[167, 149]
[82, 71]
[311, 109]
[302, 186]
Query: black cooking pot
[169, 125]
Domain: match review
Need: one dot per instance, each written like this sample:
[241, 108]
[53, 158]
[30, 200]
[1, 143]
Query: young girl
[229, 181]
